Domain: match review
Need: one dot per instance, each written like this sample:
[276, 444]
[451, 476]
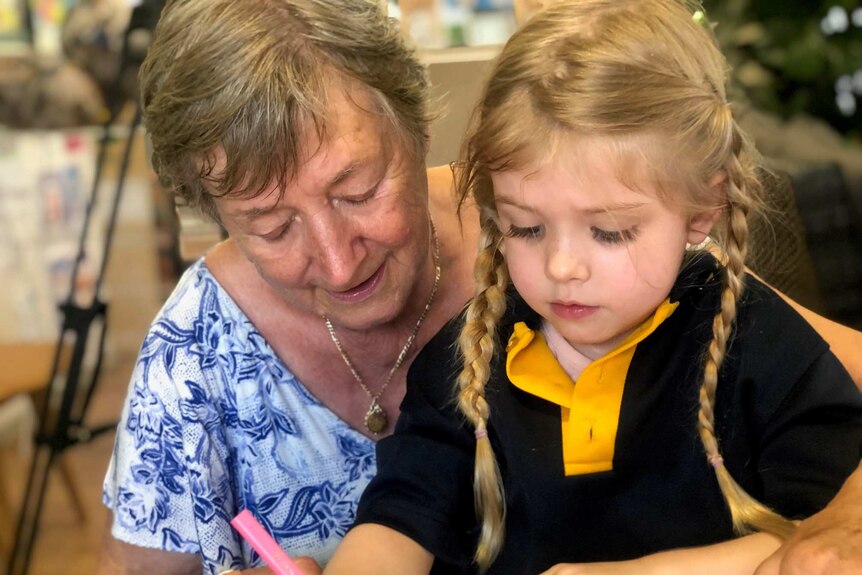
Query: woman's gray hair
[249, 78]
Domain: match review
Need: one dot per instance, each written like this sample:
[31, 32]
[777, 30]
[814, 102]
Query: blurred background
[68, 98]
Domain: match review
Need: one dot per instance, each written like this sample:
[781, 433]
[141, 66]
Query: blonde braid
[478, 343]
[746, 512]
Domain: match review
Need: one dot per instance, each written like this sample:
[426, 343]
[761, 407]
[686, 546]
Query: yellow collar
[591, 406]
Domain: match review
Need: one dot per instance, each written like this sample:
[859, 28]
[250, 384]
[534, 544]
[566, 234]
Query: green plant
[788, 57]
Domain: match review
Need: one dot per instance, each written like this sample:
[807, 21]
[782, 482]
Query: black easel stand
[63, 426]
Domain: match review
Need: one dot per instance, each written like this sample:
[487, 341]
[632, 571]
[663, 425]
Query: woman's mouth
[362, 290]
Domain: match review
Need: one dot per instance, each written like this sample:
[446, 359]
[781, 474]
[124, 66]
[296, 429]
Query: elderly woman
[301, 127]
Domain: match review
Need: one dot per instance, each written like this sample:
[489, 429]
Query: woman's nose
[335, 248]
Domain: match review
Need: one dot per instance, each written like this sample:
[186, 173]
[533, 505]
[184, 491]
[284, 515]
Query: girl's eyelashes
[614, 236]
[611, 237]
[532, 232]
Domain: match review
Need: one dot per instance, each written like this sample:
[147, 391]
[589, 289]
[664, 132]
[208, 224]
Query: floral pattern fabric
[214, 423]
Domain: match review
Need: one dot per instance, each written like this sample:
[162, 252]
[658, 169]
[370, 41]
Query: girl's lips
[361, 291]
[573, 310]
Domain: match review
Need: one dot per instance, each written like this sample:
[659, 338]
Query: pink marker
[273, 555]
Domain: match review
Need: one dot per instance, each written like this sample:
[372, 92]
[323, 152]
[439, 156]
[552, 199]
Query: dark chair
[833, 229]
[780, 253]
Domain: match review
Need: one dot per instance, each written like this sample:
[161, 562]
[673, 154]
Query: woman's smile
[361, 291]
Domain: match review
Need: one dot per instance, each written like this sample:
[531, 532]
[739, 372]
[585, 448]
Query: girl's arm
[377, 550]
[735, 557]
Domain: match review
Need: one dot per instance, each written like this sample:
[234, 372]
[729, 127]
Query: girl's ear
[700, 223]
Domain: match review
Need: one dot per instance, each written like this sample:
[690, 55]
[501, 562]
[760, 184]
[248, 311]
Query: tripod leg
[7, 526]
[31, 509]
[72, 485]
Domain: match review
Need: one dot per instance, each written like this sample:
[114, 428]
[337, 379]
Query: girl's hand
[309, 566]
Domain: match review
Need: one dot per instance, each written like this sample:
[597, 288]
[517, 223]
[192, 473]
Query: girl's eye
[531, 233]
[614, 236]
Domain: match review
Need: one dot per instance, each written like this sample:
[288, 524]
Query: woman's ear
[700, 223]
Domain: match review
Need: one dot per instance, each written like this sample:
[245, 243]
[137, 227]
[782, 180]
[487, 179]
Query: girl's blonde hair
[647, 77]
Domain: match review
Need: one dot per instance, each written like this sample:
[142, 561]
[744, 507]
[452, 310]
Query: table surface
[25, 366]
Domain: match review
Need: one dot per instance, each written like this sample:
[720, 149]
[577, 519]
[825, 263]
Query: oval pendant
[376, 419]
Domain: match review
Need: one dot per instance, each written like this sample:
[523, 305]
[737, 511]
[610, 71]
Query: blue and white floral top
[214, 423]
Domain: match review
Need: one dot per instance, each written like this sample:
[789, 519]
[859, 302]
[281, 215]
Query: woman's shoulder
[194, 287]
[445, 202]
[197, 293]
[198, 328]
[441, 180]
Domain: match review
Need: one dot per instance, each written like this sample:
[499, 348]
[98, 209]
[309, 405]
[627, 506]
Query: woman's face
[349, 235]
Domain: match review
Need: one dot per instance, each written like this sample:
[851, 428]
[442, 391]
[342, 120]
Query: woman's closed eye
[361, 199]
[530, 233]
[357, 201]
[277, 233]
[614, 237]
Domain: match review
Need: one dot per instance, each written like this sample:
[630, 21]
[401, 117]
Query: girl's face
[348, 236]
[594, 257]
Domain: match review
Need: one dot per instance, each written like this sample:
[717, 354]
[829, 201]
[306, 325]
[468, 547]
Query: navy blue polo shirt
[788, 418]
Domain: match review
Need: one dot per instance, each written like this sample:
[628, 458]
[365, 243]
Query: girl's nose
[567, 263]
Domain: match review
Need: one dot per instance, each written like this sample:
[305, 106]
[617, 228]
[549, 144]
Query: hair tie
[480, 433]
[715, 460]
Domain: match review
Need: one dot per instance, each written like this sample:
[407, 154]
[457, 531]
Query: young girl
[648, 397]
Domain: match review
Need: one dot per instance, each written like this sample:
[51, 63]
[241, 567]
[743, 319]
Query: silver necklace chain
[375, 407]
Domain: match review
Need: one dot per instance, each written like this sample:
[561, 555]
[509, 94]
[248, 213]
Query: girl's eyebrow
[502, 199]
[610, 208]
[613, 208]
